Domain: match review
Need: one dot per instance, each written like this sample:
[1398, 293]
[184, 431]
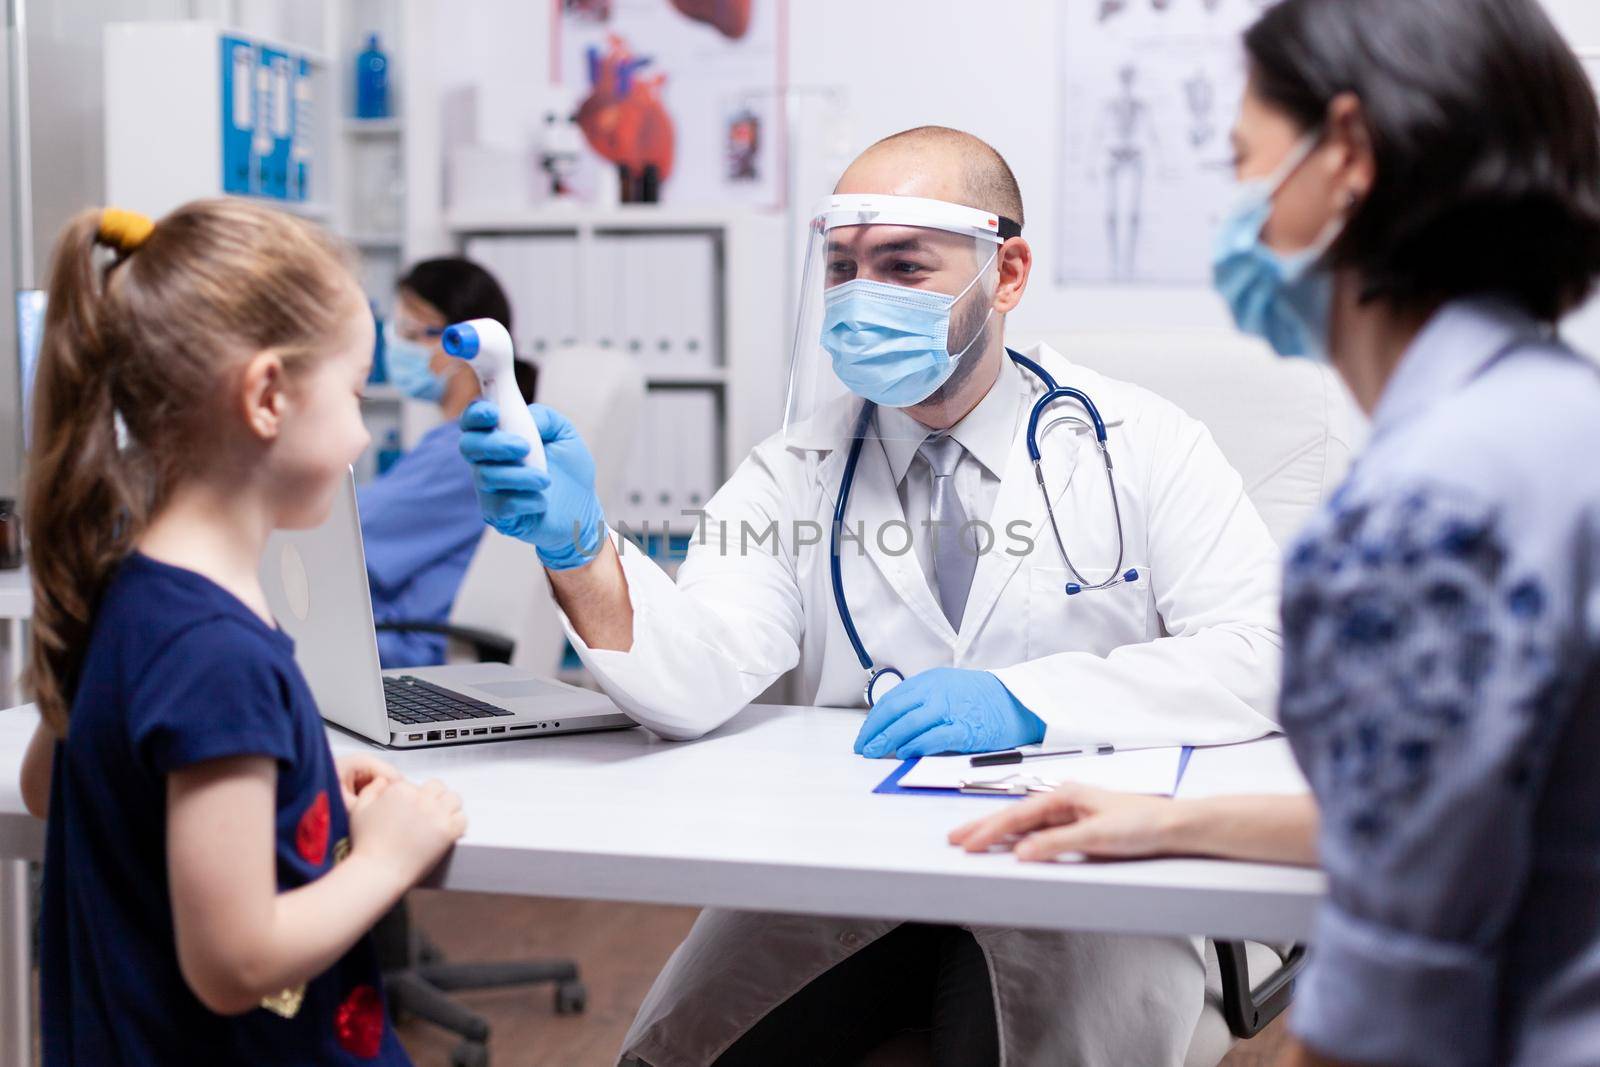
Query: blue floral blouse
[1441, 617]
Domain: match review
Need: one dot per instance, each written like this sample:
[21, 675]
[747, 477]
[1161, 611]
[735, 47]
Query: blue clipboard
[891, 786]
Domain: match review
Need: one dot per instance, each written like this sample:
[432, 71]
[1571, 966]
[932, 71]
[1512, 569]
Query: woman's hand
[1076, 819]
[357, 770]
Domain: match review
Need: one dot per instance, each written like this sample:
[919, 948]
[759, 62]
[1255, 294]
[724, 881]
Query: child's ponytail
[85, 501]
[143, 324]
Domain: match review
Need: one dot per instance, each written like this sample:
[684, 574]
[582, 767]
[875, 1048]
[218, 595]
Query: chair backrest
[504, 590]
[1288, 426]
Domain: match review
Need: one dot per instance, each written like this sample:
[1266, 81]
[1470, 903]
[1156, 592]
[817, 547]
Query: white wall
[990, 68]
[1001, 82]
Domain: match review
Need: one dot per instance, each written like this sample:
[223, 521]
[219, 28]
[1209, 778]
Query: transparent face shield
[896, 311]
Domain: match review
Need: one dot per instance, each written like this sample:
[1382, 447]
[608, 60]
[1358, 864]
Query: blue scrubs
[421, 524]
[1440, 659]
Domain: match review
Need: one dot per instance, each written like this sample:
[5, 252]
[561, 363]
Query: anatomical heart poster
[691, 90]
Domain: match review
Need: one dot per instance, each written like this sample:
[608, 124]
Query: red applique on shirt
[311, 836]
[359, 1022]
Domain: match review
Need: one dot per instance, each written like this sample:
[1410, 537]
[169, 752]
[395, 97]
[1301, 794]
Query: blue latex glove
[947, 710]
[556, 512]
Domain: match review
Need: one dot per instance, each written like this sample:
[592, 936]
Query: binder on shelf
[641, 285]
[663, 292]
[667, 455]
[697, 473]
[636, 485]
[270, 147]
[524, 286]
[536, 263]
[238, 115]
[605, 299]
[698, 269]
[282, 124]
[301, 143]
[561, 259]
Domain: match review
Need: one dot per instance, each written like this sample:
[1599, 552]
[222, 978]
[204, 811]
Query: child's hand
[405, 827]
[357, 770]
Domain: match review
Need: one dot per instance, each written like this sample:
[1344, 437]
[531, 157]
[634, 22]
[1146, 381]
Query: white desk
[16, 607]
[772, 812]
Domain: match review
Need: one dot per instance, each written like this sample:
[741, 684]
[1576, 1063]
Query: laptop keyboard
[413, 702]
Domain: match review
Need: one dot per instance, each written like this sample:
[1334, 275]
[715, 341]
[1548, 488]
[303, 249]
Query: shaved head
[941, 164]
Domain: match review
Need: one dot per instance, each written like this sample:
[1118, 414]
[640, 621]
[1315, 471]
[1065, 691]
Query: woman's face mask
[889, 343]
[409, 364]
[1286, 300]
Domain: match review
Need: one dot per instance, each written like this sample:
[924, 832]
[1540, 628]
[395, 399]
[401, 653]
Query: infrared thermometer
[486, 345]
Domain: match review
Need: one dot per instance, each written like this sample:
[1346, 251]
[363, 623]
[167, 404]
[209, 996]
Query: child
[210, 869]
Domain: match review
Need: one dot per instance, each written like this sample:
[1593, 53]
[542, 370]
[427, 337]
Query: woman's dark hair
[461, 290]
[1486, 136]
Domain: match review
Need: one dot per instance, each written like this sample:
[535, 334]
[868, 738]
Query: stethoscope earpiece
[1130, 576]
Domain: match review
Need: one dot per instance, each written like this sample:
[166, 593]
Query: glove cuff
[579, 550]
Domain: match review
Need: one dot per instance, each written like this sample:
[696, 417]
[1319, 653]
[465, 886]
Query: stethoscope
[881, 679]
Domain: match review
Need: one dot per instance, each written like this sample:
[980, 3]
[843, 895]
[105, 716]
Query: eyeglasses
[412, 332]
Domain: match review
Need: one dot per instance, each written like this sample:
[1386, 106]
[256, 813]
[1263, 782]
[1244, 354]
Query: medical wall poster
[691, 89]
[1149, 91]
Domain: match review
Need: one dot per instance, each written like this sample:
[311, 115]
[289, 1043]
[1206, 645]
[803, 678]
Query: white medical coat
[1187, 654]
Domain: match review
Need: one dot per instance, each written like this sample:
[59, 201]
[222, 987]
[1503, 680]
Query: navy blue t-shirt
[177, 672]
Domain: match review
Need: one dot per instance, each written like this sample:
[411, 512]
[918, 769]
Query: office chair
[1246, 1010]
[503, 613]
[418, 982]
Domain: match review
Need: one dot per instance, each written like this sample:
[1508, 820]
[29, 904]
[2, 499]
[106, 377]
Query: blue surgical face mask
[889, 343]
[1286, 300]
[407, 362]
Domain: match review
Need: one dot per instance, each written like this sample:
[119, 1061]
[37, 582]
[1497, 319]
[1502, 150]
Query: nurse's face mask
[897, 299]
[1285, 298]
[408, 351]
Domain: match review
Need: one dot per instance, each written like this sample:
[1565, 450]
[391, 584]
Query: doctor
[903, 395]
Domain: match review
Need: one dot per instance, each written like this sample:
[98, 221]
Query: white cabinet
[691, 296]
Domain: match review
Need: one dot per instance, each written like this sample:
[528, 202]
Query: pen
[997, 759]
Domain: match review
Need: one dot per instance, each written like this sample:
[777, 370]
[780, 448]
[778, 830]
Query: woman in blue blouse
[1421, 205]
[420, 521]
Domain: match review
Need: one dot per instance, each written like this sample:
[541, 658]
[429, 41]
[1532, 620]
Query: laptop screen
[30, 325]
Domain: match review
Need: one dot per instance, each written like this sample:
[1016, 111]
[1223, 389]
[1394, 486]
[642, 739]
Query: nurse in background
[1422, 206]
[421, 521]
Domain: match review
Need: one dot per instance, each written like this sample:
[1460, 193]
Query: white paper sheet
[1264, 766]
[1147, 770]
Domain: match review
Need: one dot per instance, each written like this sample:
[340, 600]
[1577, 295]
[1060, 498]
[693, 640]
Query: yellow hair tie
[124, 230]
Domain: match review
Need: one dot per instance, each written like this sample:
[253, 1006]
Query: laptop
[316, 584]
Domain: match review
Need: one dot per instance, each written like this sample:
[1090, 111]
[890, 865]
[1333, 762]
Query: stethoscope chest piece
[879, 682]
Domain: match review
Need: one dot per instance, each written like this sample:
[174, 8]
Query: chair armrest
[488, 647]
[1249, 1009]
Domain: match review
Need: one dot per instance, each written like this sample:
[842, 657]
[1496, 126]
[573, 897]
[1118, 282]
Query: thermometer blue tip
[460, 340]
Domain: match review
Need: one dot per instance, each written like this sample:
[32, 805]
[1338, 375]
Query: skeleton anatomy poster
[1149, 91]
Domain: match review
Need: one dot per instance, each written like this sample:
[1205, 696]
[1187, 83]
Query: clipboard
[891, 786]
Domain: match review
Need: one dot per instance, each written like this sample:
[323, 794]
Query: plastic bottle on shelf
[372, 82]
[389, 453]
[380, 370]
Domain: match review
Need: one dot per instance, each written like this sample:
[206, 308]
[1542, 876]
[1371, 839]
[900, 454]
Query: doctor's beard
[969, 323]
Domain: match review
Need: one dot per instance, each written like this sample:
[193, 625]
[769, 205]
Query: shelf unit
[174, 73]
[748, 362]
[375, 197]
